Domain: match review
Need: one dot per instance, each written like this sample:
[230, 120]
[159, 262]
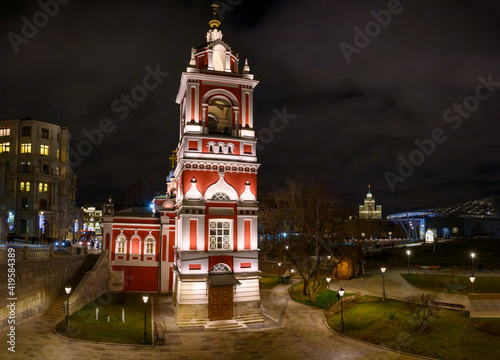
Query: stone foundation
[191, 314]
[247, 309]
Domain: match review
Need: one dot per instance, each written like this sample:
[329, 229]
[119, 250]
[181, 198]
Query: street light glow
[145, 298]
[341, 292]
[382, 269]
[67, 289]
[328, 279]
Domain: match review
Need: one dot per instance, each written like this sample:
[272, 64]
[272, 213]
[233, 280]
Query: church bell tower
[216, 254]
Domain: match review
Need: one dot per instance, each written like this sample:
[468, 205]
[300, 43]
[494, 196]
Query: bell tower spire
[214, 23]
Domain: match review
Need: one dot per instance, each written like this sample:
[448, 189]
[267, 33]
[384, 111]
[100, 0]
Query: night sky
[352, 120]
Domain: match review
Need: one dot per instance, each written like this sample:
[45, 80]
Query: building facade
[369, 210]
[91, 225]
[201, 243]
[37, 183]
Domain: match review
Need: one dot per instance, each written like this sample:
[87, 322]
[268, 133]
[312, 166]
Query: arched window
[21, 186]
[220, 116]
[221, 196]
[121, 244]
[45, 188]
[149, 245]
[220, 268]
[28, 186]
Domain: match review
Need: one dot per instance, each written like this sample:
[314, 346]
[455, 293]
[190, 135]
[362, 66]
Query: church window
[150, 246]
[220, 235]
[121, 244]
[221, 196]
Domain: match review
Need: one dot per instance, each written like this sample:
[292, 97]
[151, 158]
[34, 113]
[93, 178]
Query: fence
[29, 252]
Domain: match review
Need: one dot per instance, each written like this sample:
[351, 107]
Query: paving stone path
[290, 331]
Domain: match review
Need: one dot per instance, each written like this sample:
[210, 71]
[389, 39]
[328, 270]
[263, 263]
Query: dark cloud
[353, 119]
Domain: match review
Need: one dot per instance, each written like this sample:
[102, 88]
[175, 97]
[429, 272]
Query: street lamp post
[279, 273]
[145, 298]
[328, 290]
[291, 277]
[68, 290]
[473, 256]
[340, 294]
[383, 283]
[472, 279]
[408, 252]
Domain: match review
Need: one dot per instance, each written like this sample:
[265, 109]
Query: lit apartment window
[25, 167]
[220, 235]
[22, 186]
[26, 148]
[40, 187]
[26, 131]
[28, 186]
[44, 149]
[45, 188]
[5, 147]
[45, 133]
[4, 131]
[150, 246]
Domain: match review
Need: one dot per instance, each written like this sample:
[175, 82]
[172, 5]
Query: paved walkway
[398, 288]
[292, 331]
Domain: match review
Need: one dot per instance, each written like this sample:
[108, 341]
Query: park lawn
[454, 284]
[268, 282]
[454, 335]
[321, 299]
[84, 326]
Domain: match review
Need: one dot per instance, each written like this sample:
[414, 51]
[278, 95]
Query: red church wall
[171, 249]
[164, 248]
[237, 180]
[203, 179]
[135, 249]
[193, 234]
[247, 234]
[139, 278]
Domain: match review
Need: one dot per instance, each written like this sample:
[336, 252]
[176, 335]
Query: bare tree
[301, 223]
[421, 309]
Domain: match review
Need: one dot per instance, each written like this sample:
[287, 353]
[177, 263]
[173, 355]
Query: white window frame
[217, 235]
[121, 239]
[149, 240]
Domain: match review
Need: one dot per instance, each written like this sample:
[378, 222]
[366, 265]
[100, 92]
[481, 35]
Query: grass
[453, 336]
[268, 282]
[84, 326]
[456, 284]
[321, 298]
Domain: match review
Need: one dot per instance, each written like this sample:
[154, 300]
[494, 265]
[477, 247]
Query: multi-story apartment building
[37, 184]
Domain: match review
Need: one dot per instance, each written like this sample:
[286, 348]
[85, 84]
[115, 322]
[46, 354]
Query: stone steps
[224, 325]
[58, 307]
[250, 319]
